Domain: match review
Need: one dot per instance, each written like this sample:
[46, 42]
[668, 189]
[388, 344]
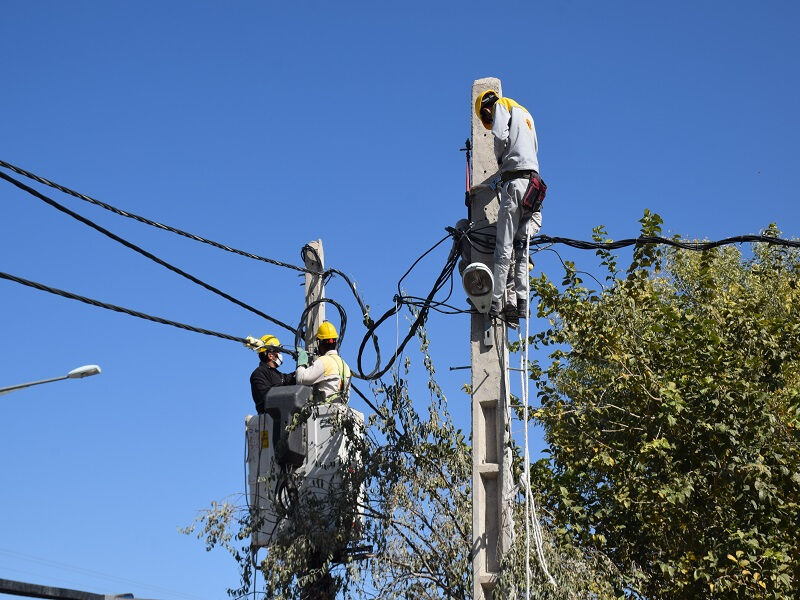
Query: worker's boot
[522, 308]
[511, 315]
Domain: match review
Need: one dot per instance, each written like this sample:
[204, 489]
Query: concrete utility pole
[314, 261]
[492, 524]
[322, 589]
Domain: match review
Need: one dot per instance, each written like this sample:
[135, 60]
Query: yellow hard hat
[270, 344]
[327, 331]
[479, 102]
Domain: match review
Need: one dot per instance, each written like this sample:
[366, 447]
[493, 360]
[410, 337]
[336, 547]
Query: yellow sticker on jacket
[265, 439]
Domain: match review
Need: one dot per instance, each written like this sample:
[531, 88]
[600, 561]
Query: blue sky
[264, 125]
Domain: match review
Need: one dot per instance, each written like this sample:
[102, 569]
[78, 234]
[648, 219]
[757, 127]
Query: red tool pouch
[534, 194]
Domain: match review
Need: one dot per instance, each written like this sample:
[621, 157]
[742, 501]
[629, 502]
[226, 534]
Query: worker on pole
[266, 374]
[521, 194]
[329, 374]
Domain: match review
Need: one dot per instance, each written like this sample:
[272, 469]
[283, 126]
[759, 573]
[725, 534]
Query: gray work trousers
[513, 226]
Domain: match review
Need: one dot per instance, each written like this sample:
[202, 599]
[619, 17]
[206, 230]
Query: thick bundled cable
[192, 236]
[644, 240]
[342, 315]
[483, 239]
[119, 309]
[145, 220]
[326, 274]
[142, 251]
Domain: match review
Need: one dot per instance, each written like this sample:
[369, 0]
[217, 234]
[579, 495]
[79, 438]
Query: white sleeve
[500, 130]
[310, 375]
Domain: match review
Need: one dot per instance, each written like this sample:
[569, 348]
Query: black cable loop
[300, 332]
[443, 277]
[142, 251]
[364, 308]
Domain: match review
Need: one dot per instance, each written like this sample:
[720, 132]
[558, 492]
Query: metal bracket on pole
[488, 331]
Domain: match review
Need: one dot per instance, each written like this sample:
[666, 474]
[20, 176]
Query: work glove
[253, 343]
[302, 357]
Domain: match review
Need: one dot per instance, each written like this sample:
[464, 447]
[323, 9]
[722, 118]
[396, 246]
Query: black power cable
[118, 211]
[186, 234]
[141, 251]
[300, 333]
[479, 238]
[444, 276]
[485, 241]
[120, 309]
[145, 220]
[656, 240]
[307, 249]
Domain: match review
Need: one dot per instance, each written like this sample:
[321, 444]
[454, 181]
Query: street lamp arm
[78, 373]
[11, 388]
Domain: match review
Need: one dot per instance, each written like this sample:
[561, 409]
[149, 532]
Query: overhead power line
[145, 220]
[118, 211]
[124, 213]
[540, 240]
[400, 299]
[479, 238]
[141, 251]
[484, 240]
[120, 309]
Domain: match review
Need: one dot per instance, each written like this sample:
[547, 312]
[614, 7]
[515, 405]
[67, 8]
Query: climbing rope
[531, 516]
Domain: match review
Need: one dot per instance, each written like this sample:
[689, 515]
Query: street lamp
[78, 373]
[478, 283]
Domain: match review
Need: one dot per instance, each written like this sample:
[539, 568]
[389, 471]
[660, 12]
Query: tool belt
[534, 194]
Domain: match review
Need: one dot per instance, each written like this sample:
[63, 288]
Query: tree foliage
[671, 408]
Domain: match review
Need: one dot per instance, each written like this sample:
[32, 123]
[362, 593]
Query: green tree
[671, 407]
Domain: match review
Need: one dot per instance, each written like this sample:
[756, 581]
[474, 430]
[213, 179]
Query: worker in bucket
[522, 192]
[266, 374]
[329, 374]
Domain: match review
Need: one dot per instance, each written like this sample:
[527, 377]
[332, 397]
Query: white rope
[397, 337]
[531, 516]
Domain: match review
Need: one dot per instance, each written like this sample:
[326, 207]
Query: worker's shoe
[494, 310]
[511, 315]
[522, 308]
